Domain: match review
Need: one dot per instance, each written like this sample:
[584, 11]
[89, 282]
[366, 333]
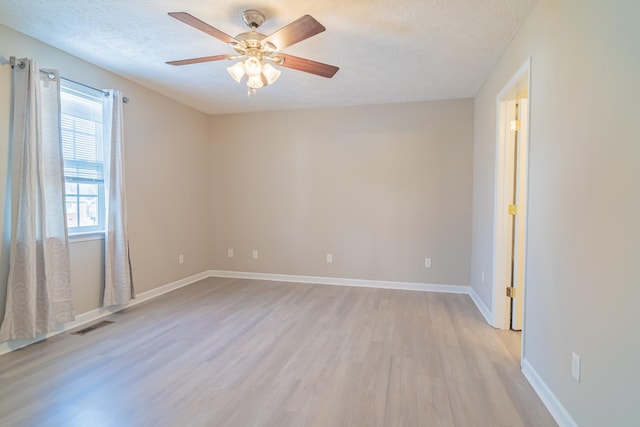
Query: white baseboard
[156, 292]
[558, 412]
[99, 313]
[381, 284]
[481, 307]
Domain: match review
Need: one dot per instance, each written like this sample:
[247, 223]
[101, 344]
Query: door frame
[501, 309]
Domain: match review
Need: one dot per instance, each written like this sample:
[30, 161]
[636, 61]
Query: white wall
[166, 150]
[380, 187]
[584, 233]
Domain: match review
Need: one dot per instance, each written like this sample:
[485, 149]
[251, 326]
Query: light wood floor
[230, 352]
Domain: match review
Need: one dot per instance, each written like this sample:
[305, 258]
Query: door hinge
[515, 125]
[513, 209]
[511, 292]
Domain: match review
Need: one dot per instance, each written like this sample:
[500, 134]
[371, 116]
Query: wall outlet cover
[575, 366]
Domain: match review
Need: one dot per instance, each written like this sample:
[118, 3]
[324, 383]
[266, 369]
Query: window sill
[85, 237]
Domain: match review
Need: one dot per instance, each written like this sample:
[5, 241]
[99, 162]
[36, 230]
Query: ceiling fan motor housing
[253, 18]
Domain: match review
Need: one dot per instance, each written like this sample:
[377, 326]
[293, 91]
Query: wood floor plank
[236, 352]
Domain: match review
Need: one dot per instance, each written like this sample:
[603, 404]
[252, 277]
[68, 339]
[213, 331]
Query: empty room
[319, 213]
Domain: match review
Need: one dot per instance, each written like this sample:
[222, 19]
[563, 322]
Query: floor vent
[92, 327]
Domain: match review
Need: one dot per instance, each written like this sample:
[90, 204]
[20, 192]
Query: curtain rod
[84, 85]
[124, 98]
[13, 62]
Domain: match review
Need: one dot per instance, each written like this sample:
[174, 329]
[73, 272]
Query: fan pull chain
[251, 92]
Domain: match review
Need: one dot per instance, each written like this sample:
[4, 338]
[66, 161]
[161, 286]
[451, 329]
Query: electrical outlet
[575, 366]
[254, 254]
[427, 263]
[329, 258]
[181, 259]
[229, 253]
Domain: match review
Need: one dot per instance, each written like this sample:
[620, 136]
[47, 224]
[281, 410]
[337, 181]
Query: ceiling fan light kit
[257, 51]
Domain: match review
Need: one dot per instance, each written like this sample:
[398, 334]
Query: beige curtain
[118, 281]
[39, 286]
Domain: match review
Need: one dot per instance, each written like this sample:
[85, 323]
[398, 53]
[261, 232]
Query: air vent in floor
[92, 327]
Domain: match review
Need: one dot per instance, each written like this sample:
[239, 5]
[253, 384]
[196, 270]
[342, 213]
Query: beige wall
[380, 187]
[584, 234]
[166, 171]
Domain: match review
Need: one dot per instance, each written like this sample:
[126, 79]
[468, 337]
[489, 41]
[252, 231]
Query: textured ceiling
[387, 50]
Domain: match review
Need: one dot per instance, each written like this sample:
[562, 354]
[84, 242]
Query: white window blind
[83, 152]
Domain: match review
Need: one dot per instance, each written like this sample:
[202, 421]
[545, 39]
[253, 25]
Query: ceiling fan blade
[300, 29]
[202, 26]
[198, 60]
[307, 65]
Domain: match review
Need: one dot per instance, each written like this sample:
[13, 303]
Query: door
[517, 208]
[510, 208]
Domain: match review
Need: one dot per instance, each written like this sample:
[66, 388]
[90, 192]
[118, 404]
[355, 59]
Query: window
[83, 154]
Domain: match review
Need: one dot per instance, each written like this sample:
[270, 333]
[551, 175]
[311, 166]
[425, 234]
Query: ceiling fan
[257, 51]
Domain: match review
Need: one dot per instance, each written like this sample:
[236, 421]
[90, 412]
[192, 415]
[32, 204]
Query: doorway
[510, 221]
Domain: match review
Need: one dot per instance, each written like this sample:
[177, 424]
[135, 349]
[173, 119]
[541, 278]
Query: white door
[518, 199]
[509, 258]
